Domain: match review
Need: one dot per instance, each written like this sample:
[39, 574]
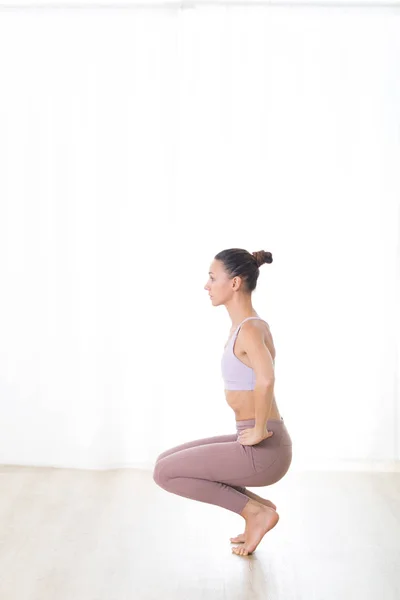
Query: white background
[135, 144]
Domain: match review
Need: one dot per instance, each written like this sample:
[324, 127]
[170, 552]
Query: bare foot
[257, 525]
[239, 539]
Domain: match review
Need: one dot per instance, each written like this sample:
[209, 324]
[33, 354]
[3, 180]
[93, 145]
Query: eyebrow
[210, 273]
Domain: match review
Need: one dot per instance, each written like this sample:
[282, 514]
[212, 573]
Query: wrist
[260, 430]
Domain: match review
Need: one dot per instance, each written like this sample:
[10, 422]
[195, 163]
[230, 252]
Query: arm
[261, 361]
[264, 395]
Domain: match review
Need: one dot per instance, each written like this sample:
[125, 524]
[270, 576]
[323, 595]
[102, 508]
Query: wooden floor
[115, 535]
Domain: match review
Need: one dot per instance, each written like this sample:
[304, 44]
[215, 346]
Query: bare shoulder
[264, 328]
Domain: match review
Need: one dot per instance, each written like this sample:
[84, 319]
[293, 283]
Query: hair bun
[262, 257]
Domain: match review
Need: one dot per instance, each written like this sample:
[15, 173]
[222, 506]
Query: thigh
[200, 442]
[226, 462]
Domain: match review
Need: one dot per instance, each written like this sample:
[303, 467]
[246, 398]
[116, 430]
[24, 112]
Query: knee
[156, 472]
[160, 456]
[159, 475]
[157, 469]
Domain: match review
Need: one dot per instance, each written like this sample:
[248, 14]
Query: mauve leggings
[216, 469]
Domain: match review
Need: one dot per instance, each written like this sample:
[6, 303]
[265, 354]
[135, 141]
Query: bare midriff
[242, 401]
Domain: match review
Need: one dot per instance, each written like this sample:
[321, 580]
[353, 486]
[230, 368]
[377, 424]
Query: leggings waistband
[248, 423]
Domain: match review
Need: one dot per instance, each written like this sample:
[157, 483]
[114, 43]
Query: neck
[240, 311]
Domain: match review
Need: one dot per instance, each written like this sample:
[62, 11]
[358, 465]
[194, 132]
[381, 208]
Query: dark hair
[240, 263]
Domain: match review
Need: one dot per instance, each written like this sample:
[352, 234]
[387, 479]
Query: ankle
[252, 508]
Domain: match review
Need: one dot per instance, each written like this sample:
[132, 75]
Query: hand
[249, 437]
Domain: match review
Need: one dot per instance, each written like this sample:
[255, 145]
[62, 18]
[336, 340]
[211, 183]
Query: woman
[217, 469]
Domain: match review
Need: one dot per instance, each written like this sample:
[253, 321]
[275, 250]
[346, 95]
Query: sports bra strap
[244, 320]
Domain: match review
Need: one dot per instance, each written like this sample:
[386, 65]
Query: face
[219, 286]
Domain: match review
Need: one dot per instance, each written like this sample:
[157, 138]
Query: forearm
[263, 398]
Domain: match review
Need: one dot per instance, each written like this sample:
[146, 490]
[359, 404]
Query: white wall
[135, 145]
